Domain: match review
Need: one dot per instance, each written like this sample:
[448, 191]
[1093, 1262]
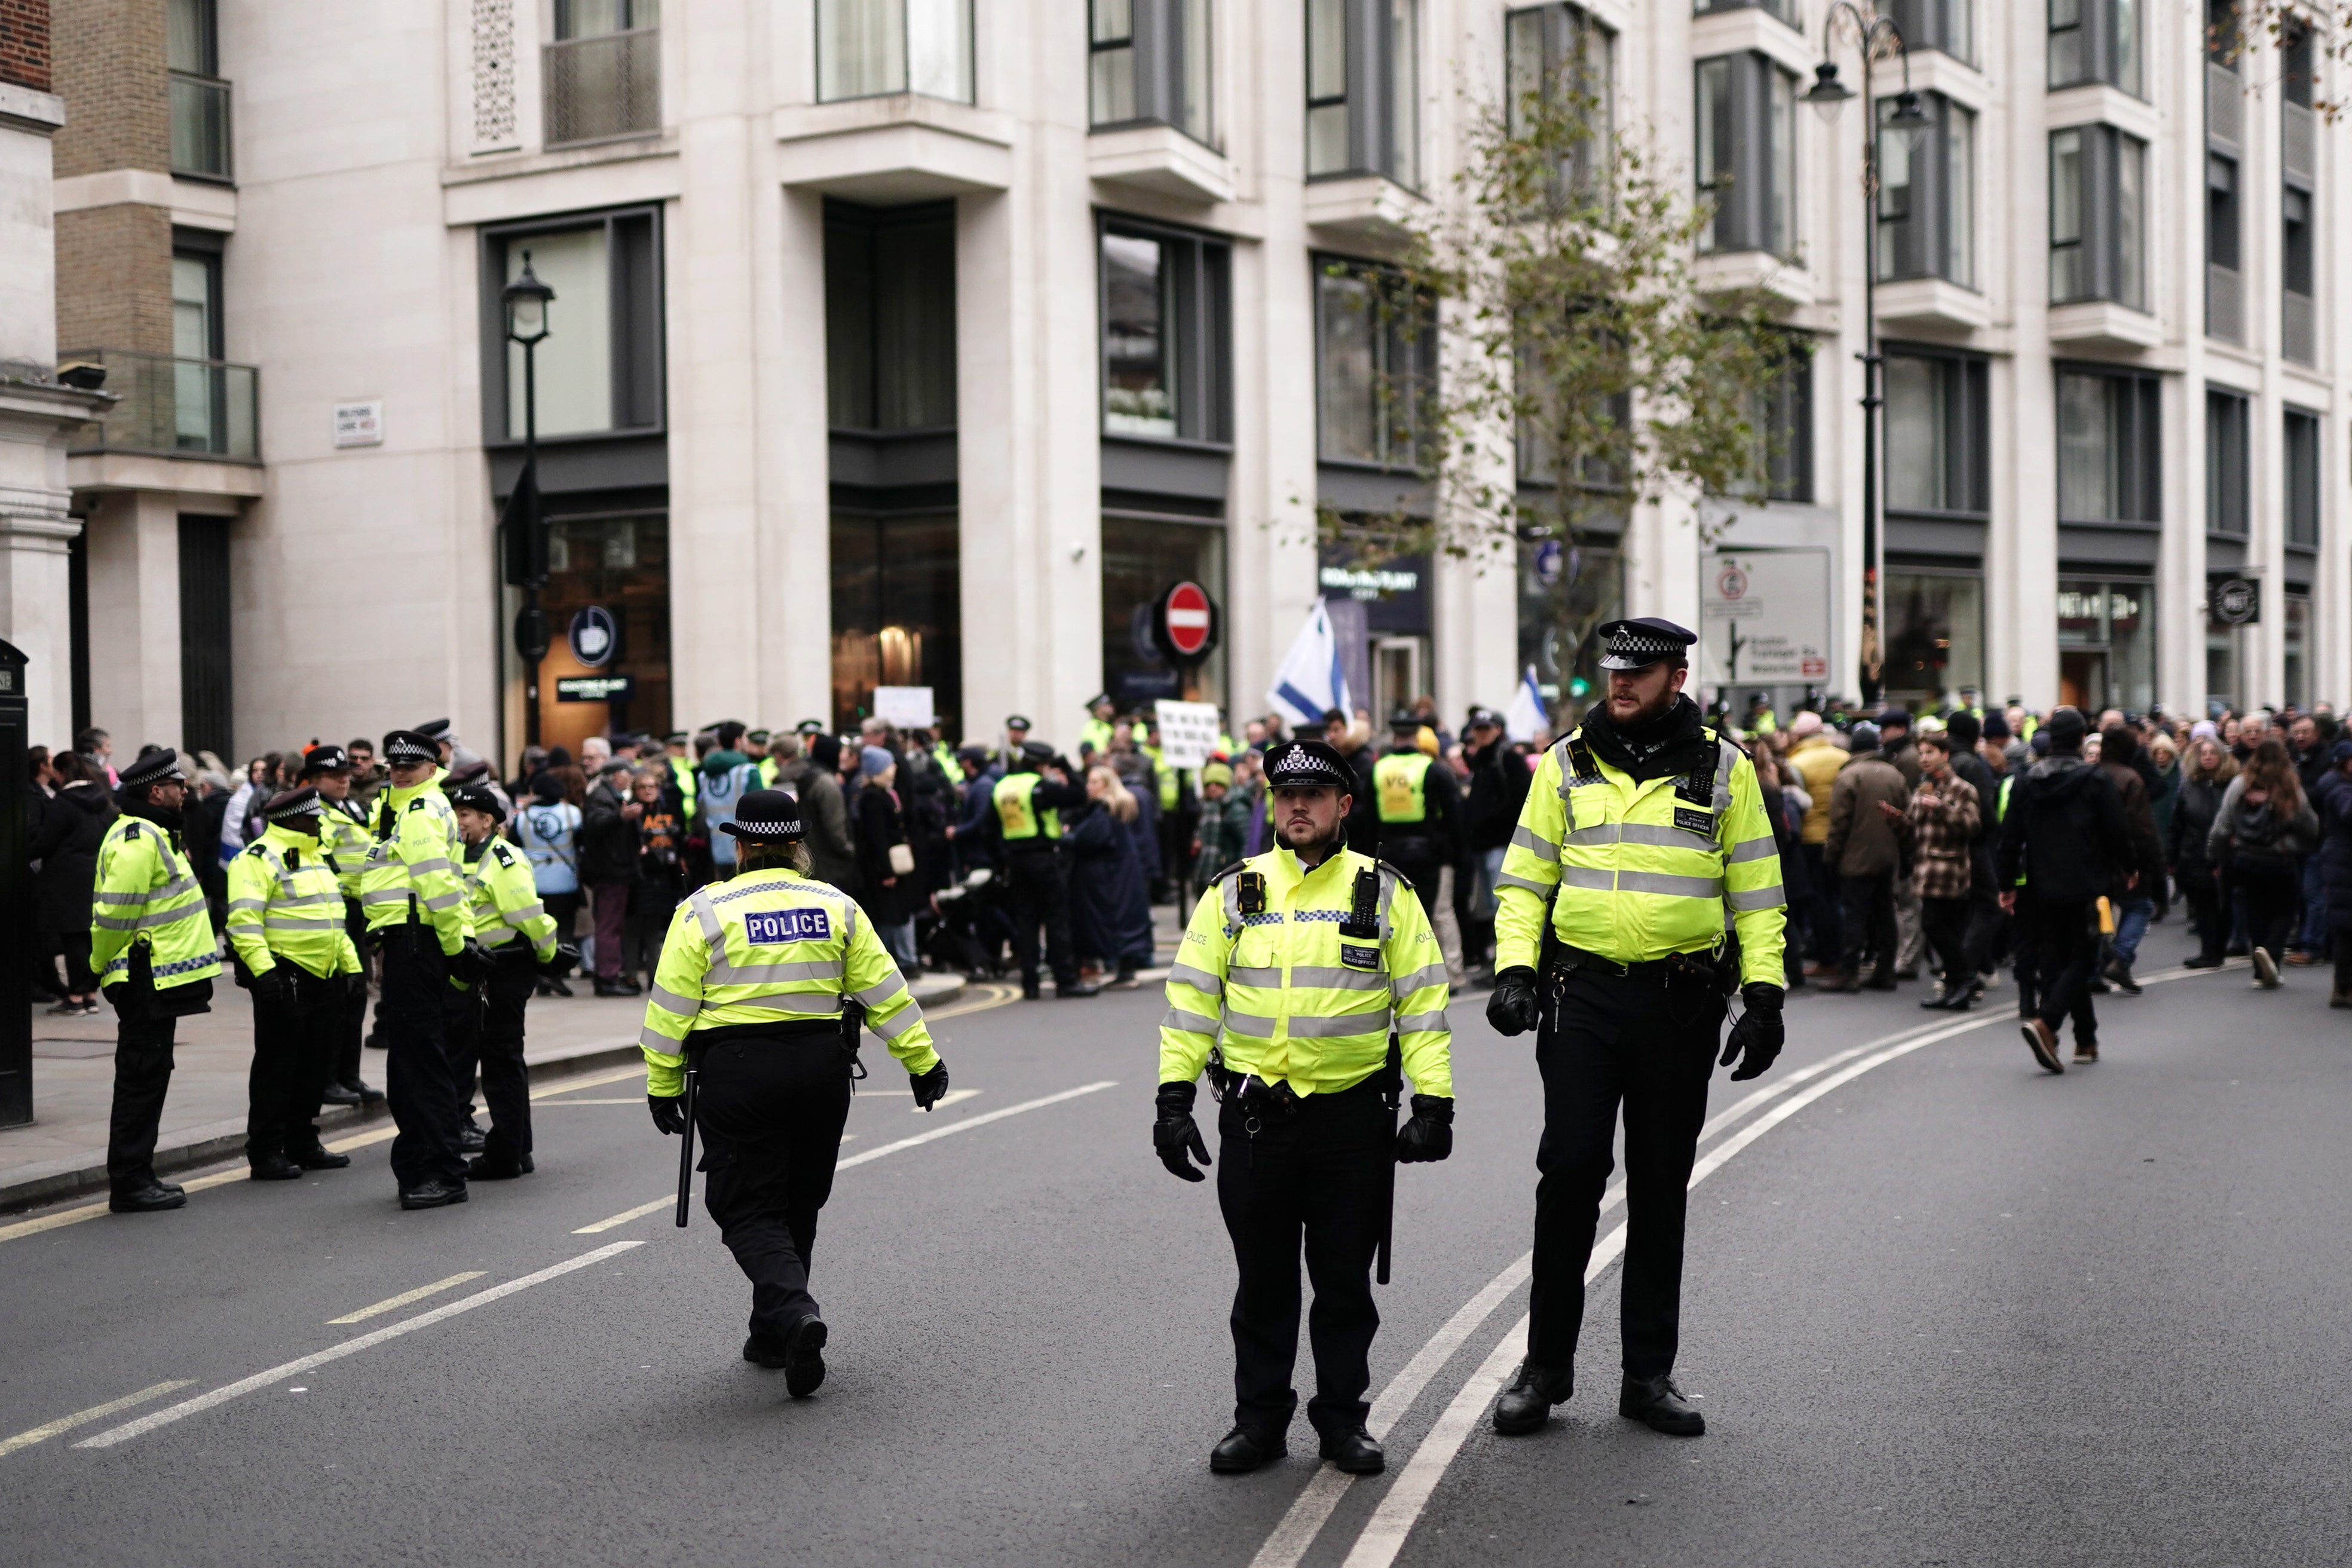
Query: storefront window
[621, 563]
[1142, 558]
[2107, 646]
[1564, 590]
[1934, 644]
[2221, 645]
[897, 613]
[2296, 645]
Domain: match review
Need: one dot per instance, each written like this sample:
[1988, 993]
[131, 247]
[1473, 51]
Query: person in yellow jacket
[414, 900]
[486, 1020]
[152, 947]
[344, 839]
[764, 983]
[1308, 977]
[1642, 843]
[1096, 734]
[1817, 760]
[286, 928]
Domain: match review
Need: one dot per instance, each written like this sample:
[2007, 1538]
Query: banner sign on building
[1764, 617]
[596, 687]
[1188, 732]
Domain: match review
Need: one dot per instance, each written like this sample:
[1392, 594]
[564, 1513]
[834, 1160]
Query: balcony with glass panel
[1149, 102]
[603, 87]
[895, 117]
[171, 407]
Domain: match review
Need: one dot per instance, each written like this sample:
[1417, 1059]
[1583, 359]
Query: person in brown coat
[1862, 848]
[2134, 906]
[1940, 826]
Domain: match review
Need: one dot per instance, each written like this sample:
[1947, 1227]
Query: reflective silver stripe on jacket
[1428, 975]
[1190, 1023]
[1252, 974]
[1535, 843]
[1328, 977]
[671, 1002]
[1754, 899]
[1341, 1026]
[725, 973]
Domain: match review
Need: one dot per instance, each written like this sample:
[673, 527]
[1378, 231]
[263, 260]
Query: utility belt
[1717, 970]
[842, 1032]
[1277, 1101]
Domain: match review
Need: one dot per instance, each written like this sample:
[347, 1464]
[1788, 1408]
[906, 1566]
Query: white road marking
[42, 1433]
[405, 1297]
[968, 1123]
[668, 1200]
[278, 1374]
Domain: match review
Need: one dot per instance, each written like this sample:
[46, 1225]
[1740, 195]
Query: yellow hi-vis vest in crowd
[1642, 870]
[1266, 975]
[411, 862]
[344, 837]
[773, 946]
[284, 902]
[146, 895]
[1014, 798]
[1401, 787]
[501, 900]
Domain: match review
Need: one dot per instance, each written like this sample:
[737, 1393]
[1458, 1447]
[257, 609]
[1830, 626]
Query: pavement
[1940, 1307]
[62, 1152]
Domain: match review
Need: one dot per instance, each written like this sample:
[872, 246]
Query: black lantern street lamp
[1875, 34]
[526, 300]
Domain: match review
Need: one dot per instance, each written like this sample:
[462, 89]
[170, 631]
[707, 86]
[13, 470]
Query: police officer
[1029, 801]
[1642, 840]
[286, 929]
[504, 912]
[1420, 809]
[1016, 736]
[152, 947]
[1307, 976]
[1095, 734]
[414, 900]
[344, 839]
[763, 984]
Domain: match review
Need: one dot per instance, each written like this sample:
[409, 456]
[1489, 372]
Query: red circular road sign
[1188, 622]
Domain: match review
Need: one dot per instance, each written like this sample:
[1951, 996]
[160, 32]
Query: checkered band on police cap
[1308, 764]
[153, 768]
[293, 803]
[404, 746]
[1636, 644]
[325, 760]
[772, 815]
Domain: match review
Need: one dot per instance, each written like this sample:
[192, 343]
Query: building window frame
[635, 320]
[2303, 475]
[1544, 45]
[1947, 27]
[1195, 333]
[892, 65]
[2099, 217]
[890, 366]
[1786, 11]
[2229, 462]
[1745, 125]
[2095, 42]
[1926, 194]
[1399, 377]
[2131, 411]
[1152, 62]
[1960, 384]
[1363, 89]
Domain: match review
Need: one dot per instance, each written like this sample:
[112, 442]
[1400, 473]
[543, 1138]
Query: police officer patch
[1691, 821]
[1359, 957]
[766, 926]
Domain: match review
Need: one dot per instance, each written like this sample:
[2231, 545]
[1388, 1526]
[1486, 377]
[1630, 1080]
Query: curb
[218, 1140]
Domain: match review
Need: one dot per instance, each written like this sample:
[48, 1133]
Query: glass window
[1165, 322]
[1376, 359]
[1364, 88]
[1926, 194]
[1787, 424]
[2295, 270]
[594, 18]
[2098, 235]
[2227, 479]
[890, 317]
[1938, 458]
[1111, 43]
[1142, 559]
[622, 563]
[599, 366]
[1326, 86]
[2108, 432]
[2106, 645]
[2222, 211]
[897, 618]
[868, 48]
[1746, 115]
[1935, 642]
[2302, 479]
[2295, 644]
[1558, 50]
[1404, 92]
[2095, 41]
[1148, 60]
[192, 36]
[1946, 25]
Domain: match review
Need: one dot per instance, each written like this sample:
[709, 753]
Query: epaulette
[253, 850]
[506, 856]
[130, 828]
[416, 805]
[1233, 870]
[1393, 871]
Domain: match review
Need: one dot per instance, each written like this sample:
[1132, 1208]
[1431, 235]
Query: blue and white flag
[1311, 681]
[1525, 715]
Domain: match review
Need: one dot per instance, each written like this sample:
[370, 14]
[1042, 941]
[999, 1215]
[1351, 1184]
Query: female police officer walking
[764, 982]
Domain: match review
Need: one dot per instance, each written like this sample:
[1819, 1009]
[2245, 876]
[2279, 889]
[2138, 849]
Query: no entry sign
[1187, 622]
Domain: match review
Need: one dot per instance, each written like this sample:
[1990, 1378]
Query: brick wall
[114, 279]
[107, 65]
[25, 43]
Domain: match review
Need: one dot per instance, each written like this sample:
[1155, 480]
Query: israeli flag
[1311, 682]
[1526, 714]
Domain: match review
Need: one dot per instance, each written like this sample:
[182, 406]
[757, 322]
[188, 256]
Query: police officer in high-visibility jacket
[286, 926]
[1642, 843]
[763, 985]
[1299, 969]
[344, 839]
[152, 947]
[486, 1029]
[1028, 802]
[1420, 809]
[414, 900]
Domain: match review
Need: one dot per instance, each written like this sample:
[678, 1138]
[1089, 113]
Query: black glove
[1757, 1038]
[274, 985]
[1512, 1008]
[1176, 1135]
[566, 960]
[930, 1086]
[472, 963]
[1429, 1135]
[355, 986]
[669, 1112]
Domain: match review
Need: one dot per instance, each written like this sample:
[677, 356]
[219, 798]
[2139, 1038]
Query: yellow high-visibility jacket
[773, 946]
[146, 895]
[501, 901]
[284, 902]
[412, 865]
[1288, 997]
[1642, 870]
[344, 836]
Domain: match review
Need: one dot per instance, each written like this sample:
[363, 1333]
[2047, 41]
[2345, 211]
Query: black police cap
[1404, 719]
[1015, 721]
[406, 746]
[478, 797]
[1639, 644]
[287, 805]
[1308, 764]
[769, 816]
[326, 760]
[155, 767]
[436, 730]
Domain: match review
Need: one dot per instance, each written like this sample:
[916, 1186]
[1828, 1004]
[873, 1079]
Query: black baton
[1395, 1089]
[685, 1154]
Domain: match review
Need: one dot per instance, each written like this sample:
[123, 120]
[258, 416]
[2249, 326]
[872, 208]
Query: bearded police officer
[286, 929]
[152, 947]
[414, 900]
[1309, 975]
[504, 912]
[1419, 809]
[763, 984]
[1029, 802]
[344, 839]
[1642, 841]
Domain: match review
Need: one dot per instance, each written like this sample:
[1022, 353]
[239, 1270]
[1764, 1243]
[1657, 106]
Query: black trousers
[461, 1024]
[2273, 890]
[2206, 915]
[418, 1083]
[2065, 936]
[1985, 921]
[1418, 859]
[1945, 923]
[142, 1073]
[506, 1080]
[1040, 895]
[1821, 913]
[1320, 1175]
[294, 1043]
[1868, 927]
[1651, 1048]
[771, 1113]
[351, 1025]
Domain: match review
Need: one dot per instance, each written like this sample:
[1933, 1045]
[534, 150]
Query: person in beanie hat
[765, 983]
[152, 947]
[286, 929]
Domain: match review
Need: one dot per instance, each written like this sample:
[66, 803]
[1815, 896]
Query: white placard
[1765, 618]
[359, 424]
[1188, 732]
[903, 706]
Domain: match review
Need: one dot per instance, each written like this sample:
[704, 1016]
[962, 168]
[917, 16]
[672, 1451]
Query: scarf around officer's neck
[1651, 748]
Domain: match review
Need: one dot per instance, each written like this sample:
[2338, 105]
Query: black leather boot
[319, 1157]
[274, 1166]
[1243, 1451]
[1354, 1452]
[805, 1358]
[146, 1198]
[1658, 1404]
[434, 1195]
[1527, 1404]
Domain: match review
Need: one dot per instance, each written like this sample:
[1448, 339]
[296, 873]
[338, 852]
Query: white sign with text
[1764, 617]
[903, 706]
[1188, 732]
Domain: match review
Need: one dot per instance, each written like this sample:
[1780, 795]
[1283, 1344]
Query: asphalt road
[1942, 1309]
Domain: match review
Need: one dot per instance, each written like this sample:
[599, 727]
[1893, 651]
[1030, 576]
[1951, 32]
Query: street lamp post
[526, 300]
[1872, 33]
